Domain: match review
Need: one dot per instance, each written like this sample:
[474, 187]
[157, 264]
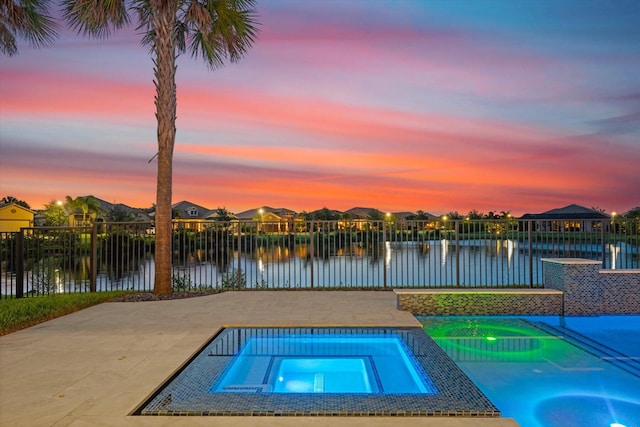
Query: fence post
[384, 253]
[93, 280]
[19, 260]
[311, 251]
[604, 246]
[456, 224]
[530, 240]
[239, 253]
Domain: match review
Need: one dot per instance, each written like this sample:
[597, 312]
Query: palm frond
[28, 19]
[95, 18]
[220, 30]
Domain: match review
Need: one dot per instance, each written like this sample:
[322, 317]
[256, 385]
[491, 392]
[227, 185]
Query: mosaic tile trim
[455, 303]
[186, 394]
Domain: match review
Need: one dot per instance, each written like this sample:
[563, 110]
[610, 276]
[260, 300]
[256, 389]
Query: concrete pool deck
[93, 367]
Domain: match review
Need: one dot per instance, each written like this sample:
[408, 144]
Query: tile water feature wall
[572, 286]
[588, 290]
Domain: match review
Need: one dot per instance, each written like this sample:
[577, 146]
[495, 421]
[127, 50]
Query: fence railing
[308, 254]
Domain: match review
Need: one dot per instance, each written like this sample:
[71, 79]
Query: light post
[613, 222]
[63, 210]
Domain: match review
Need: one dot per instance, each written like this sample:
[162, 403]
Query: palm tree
[214, 30]
[28, 19]
[86, 205]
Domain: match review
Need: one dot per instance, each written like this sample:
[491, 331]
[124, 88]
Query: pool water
[337, 375]
[324, 364]
[550, 371]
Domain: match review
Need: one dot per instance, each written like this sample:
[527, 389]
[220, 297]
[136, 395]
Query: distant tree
[223, 215]
[87, 205]
[54, 214]
[323, 214]
[390, 218]
[475, 214]
[419, 216]
[598, 209]
[375, 214]
[176, 214]
[119, 213]
[11, 199]
[633, 213]
[27, 19]
[453, 215]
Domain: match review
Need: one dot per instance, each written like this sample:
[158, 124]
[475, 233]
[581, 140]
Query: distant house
[13, 217]
[189, 210]
[569, 218]
[359, 213]
[271, 220]
[76, 216]
[214, 215]
[403, 216]
[133, 214]
[190, 215]
[359, 218]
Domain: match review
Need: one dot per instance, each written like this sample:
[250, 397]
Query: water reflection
[337, 262]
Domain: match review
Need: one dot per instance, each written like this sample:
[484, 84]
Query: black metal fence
[308, 254]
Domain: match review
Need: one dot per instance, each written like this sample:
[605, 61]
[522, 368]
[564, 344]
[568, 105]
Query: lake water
[434, 263]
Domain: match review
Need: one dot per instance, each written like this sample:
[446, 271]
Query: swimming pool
[340, 363]
[319, 371]
[550, 371]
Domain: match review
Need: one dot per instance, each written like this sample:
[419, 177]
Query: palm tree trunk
[165, 83]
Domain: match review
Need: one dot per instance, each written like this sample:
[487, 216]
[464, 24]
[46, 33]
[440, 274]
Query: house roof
[572, 211]
[186, 208]
[255, 213]
[107, 206]
[213, 214]
[402, 215]
[361, 213]
[15, 205]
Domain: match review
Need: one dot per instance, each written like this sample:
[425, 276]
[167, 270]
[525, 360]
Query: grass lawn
[16, 314]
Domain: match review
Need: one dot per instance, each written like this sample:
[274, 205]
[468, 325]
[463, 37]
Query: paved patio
[93, 367]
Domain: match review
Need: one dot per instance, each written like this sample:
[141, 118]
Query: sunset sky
[436, 105]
